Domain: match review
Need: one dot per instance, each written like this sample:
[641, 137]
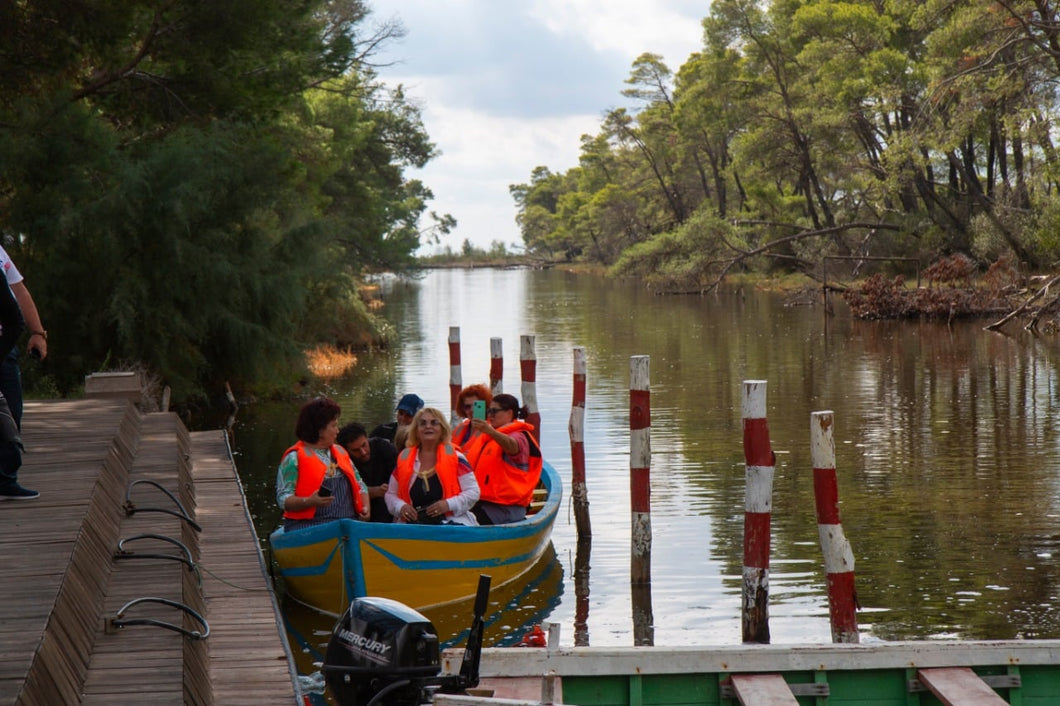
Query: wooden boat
[422, 566]
[983, 673]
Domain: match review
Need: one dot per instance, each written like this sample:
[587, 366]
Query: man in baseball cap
[397, 430]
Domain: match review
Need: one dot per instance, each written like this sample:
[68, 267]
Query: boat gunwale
[611, 661]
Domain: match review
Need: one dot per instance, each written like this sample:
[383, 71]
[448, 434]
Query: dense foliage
[196, 186]
[813, 128]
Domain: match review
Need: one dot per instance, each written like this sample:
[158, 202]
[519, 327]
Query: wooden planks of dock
[106, 533]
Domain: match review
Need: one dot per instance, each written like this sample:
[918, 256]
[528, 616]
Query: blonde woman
[433, 483]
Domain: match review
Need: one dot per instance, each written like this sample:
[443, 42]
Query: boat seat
[538, 501]
[958, 686]
[762, 690]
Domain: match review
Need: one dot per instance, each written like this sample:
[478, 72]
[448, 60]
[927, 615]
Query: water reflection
[946, 452]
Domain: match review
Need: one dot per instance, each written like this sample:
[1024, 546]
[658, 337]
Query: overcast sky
[508, 85]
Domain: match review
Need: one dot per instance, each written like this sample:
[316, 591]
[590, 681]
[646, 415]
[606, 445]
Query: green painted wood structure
[929, 673]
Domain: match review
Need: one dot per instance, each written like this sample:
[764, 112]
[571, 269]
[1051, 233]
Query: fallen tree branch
[1022, 307]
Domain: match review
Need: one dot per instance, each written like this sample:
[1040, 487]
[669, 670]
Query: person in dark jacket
[397, 431]
[375, 459]
[11, 327]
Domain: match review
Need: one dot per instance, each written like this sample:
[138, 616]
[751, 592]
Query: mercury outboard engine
[383, 652]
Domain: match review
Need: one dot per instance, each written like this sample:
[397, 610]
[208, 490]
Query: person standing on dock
[10, 372]
[375, 460]
[11, 327]
[316, 481]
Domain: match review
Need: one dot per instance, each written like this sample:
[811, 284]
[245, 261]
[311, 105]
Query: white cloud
[482, 156]
[508, 86]
[628, 27]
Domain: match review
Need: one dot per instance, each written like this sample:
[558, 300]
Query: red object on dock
[535, 637]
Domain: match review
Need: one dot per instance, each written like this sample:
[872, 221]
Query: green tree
[188, 185]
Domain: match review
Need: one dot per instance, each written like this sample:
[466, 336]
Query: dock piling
[455, 382]
[576, 428]
[496, 366]
[528, 370]
[838, 556]
[758, 503]
[639, 467]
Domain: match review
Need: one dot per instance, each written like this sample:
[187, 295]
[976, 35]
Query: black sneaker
[17, 492]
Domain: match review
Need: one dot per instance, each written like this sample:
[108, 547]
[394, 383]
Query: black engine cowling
[381, 647]
[383, 652]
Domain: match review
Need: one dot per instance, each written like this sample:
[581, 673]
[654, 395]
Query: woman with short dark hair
[316, 481]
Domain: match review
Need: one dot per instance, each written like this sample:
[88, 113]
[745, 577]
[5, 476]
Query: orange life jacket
[464, 436]
[501, 481]
[448, 469]
[311, 471]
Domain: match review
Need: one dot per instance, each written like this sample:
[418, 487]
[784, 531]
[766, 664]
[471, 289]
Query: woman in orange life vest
[507, 462]
[433, 482]
[465, 405]
[316, 481]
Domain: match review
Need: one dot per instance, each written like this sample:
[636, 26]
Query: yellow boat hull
[422, 566]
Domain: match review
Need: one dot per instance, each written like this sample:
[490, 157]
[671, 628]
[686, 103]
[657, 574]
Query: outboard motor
[383, 652]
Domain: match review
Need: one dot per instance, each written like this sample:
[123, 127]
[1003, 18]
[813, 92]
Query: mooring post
[576, 428]
[454, 374]
[758, 503]
[528, 370]
[838, 556]
[496, 367]
[639, 468]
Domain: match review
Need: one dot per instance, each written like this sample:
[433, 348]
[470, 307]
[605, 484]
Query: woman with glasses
[465, 406]
[433, 482]
[507, 462]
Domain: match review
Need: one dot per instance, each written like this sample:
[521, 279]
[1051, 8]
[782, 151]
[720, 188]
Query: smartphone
[479, 411]
[324, 492]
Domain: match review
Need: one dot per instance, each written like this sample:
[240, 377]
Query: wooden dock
[108, 532]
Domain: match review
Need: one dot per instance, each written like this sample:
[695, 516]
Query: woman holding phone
[507, 462]
[433, 483]
[470, 399]
[316, 481]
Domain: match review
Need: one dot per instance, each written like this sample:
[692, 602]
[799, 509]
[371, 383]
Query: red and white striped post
[496, 367]
[838, 556]
[576, 427]
[528, 370]
[639, 468]
[758, 503]
[454, 373]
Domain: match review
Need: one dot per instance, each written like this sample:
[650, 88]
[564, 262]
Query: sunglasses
[495, 410]
[429, 423]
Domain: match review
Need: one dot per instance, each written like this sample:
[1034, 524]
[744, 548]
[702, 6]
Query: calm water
[947, 448]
